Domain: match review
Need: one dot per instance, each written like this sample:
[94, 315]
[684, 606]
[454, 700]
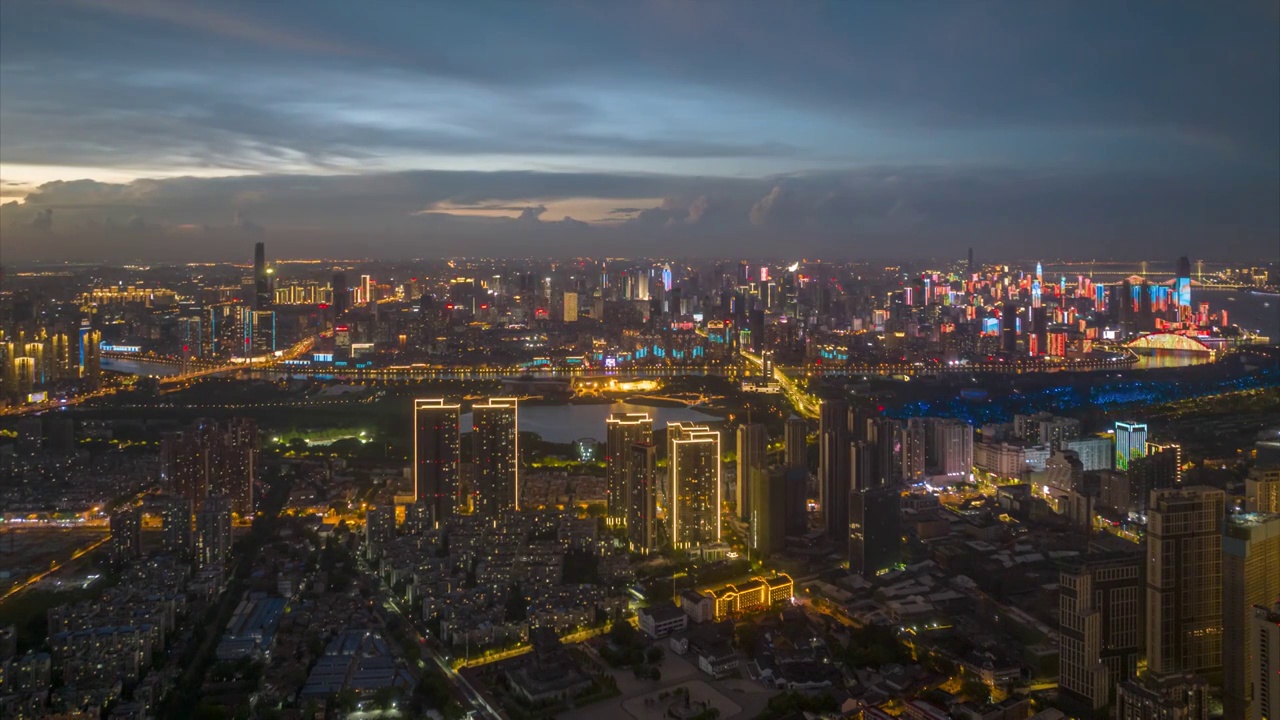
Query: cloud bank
[872, 213]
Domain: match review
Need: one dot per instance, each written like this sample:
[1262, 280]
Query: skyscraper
[1100, 624]
[436, 455]
[1182, 289]
[694, 456]
[622, 430]
[796, 492]
[795, 437]
[570, 307]
[1184, 580]
[1131, 442]
[768, 520]
[643, 480]
[495, 455]
[875, 530]
[262, 295]
[1251, 576]
[862, 465]
[753, 444]
[1009, 328]
[262, 332]
[833, 465]
[1264, 643]
[341, 294]
[886, 434]
[126, 535]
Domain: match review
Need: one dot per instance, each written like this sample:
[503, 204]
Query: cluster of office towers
[682, 507]
[1200, 601]
[677, 507]
[862, 460]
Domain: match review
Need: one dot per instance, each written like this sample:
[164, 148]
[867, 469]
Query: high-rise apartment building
[694, 458]
[213, 533]
[1184, 580]
[915, 450]
[950, 448]
[175, 524]
[1171, 458]
[1156, 470]
[643, 482]
[622, 430]
[379, 529]
[495, 455]
[1131, 442]
[436, 455]
[795, 438]
[1262, 490]
[126, 535]
[1095, 453]
[1100, 626]
[833, 465]
[1251, 576]
[753, 446]
[1058, 431]
[212, 459]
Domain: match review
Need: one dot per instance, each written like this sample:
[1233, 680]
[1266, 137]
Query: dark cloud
[245, 225]
[42, 221]
[874, 212]
[531, 214]
[843, 128]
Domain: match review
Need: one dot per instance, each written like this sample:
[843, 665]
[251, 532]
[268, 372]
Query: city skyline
[200, 129]
[590, 359]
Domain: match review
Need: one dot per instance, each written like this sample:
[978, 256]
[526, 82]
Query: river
[1251, 311]
[140, 367]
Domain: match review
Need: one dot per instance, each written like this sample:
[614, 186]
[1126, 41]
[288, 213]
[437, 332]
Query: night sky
[168, 130]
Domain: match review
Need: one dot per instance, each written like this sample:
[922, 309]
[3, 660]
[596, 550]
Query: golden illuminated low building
[751, 596]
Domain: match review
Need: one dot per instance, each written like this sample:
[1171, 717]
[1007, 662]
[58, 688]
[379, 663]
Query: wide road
[459, 683]
[55, 567]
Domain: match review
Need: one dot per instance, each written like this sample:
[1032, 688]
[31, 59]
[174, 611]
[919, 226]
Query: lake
[566, 423]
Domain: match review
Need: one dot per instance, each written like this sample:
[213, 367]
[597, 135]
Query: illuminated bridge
[1168, 342]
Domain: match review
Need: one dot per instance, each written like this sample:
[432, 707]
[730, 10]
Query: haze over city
[182, 131]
